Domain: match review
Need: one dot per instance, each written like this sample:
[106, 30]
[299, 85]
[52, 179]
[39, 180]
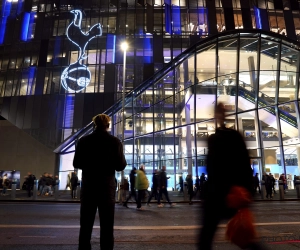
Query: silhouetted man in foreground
[228, 165]
[99, 155]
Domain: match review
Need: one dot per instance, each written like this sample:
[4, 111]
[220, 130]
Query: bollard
[78, 190]
[263, 190]
[56, 189]
[13, 189]
[185, 191]
[297, 184]
[281, 189]
[35, 189]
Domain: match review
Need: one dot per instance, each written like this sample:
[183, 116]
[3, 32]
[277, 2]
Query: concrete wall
[19, 151]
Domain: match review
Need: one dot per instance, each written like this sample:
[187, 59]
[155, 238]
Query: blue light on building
[110, 48]
[6, 7]
[25, 26]
[31, 77]
[168, 18]
[257, 18]
[147, 50]
[176, 20]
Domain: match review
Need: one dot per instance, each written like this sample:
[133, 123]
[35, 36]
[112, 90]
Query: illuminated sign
[77, 76]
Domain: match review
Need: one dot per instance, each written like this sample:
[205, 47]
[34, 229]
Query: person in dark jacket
[190, 187]
[42, 183]
[132, 186]
[154, 188]
[256, 183]
[222, 175]
[74, 183]
[30, 182]
[99, 155]
[163, 185]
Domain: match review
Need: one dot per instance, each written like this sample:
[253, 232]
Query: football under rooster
[77, 76]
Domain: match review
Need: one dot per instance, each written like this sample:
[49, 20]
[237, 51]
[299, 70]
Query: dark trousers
[73, 192]
[140, 197]
[29, 188]
[165, 192]
[131, 194]
[257, 187]
[269, 191]
[106, 212]
[153, 194]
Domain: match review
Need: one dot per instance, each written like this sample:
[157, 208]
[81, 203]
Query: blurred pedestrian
[5, 184]
[190, 187]
[99, 155]
[163, 185]
[154, 188]
[283, 179]
[74, 183]
[29, 183]
[203, 180]
[222, 176]
[268, 184]
[141, 185]
[256, 183]
[132, 186]
[273, 183]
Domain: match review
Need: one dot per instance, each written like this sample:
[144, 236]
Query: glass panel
[288, 122]
[248, 73]
[291, 155]
[288, 68]
[268, 125]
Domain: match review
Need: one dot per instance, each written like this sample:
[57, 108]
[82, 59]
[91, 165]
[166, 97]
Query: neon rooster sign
[77, 76]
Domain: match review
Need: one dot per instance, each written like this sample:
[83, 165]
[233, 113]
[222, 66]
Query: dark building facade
[61, 63]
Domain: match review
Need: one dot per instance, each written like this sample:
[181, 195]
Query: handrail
[248, 95]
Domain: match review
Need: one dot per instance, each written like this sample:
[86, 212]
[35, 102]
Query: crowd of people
[46, 184]
[139, 185]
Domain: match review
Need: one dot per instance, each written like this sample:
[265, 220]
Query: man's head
[28, 173]
[163, 168]
[101, 121]
[142, 167]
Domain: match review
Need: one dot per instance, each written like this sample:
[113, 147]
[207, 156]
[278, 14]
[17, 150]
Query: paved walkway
[65, 196]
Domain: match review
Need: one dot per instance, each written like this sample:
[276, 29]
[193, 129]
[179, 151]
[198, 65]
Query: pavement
[175, 196]
[55, 225]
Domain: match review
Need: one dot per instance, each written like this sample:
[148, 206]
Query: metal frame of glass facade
[170, 116]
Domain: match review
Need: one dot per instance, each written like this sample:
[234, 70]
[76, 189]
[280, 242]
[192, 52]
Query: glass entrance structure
[169, 117]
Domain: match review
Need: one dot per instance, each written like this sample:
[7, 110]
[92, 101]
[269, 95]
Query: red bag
[240, 229]
[238, 197]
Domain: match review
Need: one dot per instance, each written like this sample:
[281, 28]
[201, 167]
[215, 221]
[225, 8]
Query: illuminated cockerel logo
[77, 76]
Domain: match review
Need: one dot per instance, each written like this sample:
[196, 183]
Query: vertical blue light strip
[257, 18]
[31, 75]
[56, 50]
[25, 26]
[147, 50]
[168, 18]
[20, 7]
[69, 111]
[110, 45]
[5, 12]
[176, 20]
[30, 26]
